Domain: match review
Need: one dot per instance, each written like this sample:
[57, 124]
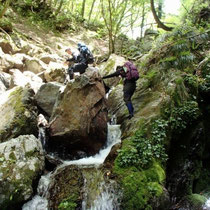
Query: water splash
[113, 138]
[39, 201]
[207, 205]
[100, 193]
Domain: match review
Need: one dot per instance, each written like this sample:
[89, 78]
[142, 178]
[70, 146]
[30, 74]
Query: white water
[39, 202]
[207, 205]
[107, 198]
[112, 139]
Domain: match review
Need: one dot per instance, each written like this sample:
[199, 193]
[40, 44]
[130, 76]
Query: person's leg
[71, 72]
[128, 90]
[80, 67]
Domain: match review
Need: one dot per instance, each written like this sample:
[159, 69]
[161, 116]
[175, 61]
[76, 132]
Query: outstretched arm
[115, 74]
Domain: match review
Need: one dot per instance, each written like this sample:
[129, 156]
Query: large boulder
[35, 65]
[55, 72]
[24, 79]
[46, 96]
[47, 58]
[10, 61]
[109, 67]
[21, 163]
[18, 113]
[79, 118]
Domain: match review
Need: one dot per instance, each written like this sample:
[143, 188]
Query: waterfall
[113, 138]
[100, 193]
[104, 195]
[207, 205]
[39, 201]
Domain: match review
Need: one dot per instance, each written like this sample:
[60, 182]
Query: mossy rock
[140, 187]
[69, 181]
[19, 114]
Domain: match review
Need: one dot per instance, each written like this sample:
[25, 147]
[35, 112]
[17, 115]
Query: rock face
[16, 105]
[46, 96]
[21, 162]
[79, 119]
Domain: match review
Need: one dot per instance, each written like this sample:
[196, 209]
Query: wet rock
[46, 96]
[19, 113]
[66, 185]
[79, 118]
[21, 163]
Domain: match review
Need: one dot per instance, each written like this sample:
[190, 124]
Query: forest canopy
[109, 18]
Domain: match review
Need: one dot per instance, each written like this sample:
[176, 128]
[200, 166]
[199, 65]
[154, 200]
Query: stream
[98, 193]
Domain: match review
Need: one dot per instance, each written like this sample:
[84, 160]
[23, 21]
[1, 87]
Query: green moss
[69, 203]
[139, 186]
[155, 173]
[196, 200]
[155, 189]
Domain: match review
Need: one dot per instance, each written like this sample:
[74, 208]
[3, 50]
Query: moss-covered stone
[140, 187]
[19, 171]
[69, 181]
[19, 114]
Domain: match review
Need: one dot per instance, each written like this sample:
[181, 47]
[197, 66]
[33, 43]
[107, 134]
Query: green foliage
[68, 203]
[191, 82]
[142, 150]
[178, 49]
[40, 12]
[181, 117]
[205, 85]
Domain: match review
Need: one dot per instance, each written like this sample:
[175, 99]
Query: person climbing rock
[80, 60]
[130, 75]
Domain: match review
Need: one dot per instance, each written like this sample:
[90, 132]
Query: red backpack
[132, 72]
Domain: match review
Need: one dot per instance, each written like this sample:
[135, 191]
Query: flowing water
[207, 205]
[99, 193]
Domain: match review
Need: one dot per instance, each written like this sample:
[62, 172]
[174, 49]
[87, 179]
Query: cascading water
[39, 202]
[207, 205]
[100, 193]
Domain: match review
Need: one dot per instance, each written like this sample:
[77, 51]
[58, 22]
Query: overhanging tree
[158, 21]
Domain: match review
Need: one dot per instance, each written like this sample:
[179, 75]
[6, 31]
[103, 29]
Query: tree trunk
[83, 8]
[159, 23]
[91, 10]
[142, 20]
[59, 8]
